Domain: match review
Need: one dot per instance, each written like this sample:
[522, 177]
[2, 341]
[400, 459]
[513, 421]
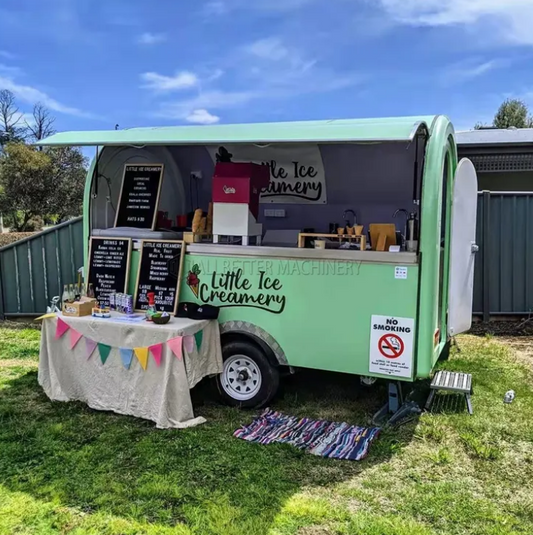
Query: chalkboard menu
[139, 196]
[109, 262]
[159, 272]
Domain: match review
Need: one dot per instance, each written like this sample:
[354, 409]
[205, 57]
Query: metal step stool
[460, 383]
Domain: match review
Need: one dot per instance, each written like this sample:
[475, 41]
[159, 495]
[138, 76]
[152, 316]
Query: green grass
[65, 469]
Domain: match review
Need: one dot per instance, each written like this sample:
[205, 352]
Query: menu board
[139, 196]
[159, 272]
[109, 262]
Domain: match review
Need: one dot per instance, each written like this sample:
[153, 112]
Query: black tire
[253, 363]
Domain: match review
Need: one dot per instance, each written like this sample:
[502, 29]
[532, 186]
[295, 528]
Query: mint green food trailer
[388, 313]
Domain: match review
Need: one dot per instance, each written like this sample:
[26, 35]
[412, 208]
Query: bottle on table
[65, 296]
[90, 291]
[71, 293]
[83, 291]
[151, 310]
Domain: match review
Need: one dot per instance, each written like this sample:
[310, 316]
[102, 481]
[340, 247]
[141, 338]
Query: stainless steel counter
[209, 249]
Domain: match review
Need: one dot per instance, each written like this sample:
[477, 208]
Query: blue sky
[97, 63]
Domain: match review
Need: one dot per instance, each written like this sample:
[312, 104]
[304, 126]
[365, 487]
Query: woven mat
[336, 440]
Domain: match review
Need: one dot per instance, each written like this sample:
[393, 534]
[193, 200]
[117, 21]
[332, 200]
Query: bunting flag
[199, 337]
[142, 356]
[104, 350]
[74, 337]
[175, 345]
[157, 352]
[46, 316]
[90, 346]
[126, 355]
[188, 343]
[61, 328]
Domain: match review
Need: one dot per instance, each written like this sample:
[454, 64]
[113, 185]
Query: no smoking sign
[391, 346]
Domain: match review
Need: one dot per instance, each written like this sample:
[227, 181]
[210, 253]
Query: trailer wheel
[248, 380]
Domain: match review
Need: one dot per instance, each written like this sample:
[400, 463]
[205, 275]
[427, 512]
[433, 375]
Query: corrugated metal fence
[34, 270]
[504, 266]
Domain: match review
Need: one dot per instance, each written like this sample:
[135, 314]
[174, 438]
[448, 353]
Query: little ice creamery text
[233, 289]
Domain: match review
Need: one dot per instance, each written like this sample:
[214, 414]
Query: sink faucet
[406, 213]
[346, 219]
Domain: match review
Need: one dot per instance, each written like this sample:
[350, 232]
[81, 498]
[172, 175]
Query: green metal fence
[503, 282]
[34, 270]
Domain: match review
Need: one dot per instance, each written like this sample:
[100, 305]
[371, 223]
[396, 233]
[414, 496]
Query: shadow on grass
[202, 477]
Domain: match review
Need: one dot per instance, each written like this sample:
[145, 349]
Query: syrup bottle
[151, 310]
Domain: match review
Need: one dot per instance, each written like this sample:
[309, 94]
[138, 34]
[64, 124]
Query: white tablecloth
[160, 394]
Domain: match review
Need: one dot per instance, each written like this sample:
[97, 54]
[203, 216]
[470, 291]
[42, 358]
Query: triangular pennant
[74, 337]
[175, 345]
[90, 346]
[61, 328]
[199, 336]
[188, 343]
[46, 316]
[157, 351]
[104, 351]
[126, 355]
[142, 355]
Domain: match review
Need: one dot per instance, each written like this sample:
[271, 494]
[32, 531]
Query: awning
[334, 131]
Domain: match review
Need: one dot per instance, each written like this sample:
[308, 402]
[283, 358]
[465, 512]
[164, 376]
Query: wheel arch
[256, 335]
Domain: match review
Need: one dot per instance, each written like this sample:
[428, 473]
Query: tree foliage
[38, 184]
[513, 113]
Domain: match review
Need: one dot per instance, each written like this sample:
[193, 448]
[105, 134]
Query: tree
[10, 118]
[38, 184]
[42, 125]
[513, 112]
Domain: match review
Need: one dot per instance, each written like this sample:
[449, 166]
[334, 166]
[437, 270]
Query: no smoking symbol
[391, 346]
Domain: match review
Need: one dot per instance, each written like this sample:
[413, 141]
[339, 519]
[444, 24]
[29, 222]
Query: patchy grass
[65, 469]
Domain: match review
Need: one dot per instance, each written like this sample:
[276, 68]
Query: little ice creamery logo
[233, 289]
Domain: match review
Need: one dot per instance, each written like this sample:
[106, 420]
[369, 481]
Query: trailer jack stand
[395, 411]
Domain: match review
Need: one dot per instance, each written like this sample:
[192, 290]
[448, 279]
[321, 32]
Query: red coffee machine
[236, 190]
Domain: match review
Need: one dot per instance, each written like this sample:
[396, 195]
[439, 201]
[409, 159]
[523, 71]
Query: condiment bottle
[151, 310]
[64, 297]
[90, 291]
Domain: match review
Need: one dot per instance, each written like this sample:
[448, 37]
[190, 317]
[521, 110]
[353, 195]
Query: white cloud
[217, 7]
[469, 69]
[31, 95]
[202, 116]
[7, 55]
[149, 38]
[509, 20]
[160, 82]
[270, 48]
[8, 70]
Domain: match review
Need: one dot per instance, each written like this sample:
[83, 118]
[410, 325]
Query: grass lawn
[67, 469]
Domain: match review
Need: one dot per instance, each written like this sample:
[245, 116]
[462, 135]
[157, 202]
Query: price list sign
[160, 273]
[139, 196]
[109, 261]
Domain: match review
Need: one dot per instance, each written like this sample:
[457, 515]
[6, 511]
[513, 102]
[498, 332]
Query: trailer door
[463, 248]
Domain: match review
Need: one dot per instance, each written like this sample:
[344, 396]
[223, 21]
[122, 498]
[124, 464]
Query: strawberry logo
[192, 279]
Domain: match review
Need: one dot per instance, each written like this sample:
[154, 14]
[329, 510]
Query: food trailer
[355, 256]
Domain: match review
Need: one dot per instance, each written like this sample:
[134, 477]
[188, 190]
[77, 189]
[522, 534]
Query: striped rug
[320, 437]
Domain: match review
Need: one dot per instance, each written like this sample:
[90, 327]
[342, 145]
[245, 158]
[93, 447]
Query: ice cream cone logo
[192, 279]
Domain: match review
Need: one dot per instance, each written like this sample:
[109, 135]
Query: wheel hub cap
[241, 378]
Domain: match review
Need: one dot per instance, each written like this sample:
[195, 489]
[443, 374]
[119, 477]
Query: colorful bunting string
[61, 328]
[199, 337]
[104, 351]
[126, 355]
[142, 356]
[188, 343]
[157, 352]
[90, 346]
[74, 337]
[176, 345]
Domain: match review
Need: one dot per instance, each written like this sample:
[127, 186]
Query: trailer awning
[334, 131]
